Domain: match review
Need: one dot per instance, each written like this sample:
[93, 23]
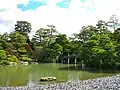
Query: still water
[22, 75]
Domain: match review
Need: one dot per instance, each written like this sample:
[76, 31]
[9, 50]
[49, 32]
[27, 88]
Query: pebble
[104, 83]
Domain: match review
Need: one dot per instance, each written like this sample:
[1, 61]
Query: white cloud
[66, 20]
[22, 1]
[105, 8]
[11, 4]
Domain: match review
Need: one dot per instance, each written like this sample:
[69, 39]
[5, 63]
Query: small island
[50, 78]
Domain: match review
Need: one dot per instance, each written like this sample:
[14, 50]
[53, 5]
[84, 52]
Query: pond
[22, 75]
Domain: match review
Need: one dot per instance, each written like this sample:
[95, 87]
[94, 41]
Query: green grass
[21, 75]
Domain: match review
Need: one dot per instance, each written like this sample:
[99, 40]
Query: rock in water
[48, 79]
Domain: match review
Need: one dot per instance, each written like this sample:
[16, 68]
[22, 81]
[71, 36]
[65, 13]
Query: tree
[26, 58]
[23, 27]
[19, 42]
[45, 36]
[13, 59]
[39, 35]
[10, 49]
[74, 37]
[17, 39]
[3, 55]
[3, 40]
[42, 40]
[100, 48]
[52, 31]
[101, 24]
[61, 39]
[3, 58]
[113, 23]
[56, 50]
[4, 36]
[116, 35]
[102, 27]
[86, 33]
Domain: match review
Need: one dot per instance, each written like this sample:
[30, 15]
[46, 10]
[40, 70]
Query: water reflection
[27, 75]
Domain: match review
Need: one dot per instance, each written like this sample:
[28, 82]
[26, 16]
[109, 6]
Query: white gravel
[104, 83]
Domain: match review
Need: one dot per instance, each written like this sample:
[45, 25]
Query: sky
[67, 15]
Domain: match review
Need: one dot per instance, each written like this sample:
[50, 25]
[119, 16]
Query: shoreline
[103, 83]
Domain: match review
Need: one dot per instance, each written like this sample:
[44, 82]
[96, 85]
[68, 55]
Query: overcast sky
[67, 15]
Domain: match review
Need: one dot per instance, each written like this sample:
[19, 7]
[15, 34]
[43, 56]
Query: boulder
[48, 79]
[13, 63]
[24, 63]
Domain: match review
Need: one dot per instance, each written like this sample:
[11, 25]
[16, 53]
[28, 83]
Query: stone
[13, 63]
[103, 83]
[24, 63]
[48, 79]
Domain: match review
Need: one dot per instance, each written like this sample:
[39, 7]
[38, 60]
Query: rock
[105, 83]
[48, 79]
[34, 62]
[24, 63]
[13, 63]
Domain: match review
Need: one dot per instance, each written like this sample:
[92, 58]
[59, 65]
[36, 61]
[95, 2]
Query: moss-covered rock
[48, 79]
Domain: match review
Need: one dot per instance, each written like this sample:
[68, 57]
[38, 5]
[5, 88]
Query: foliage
[56, 50]
[113, 23]
[25, 58]
[4, 62]
[3, 55]
[95, 46]
[13, 59]
[23, 27]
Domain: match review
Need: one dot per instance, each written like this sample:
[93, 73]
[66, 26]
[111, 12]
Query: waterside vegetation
[95, 46]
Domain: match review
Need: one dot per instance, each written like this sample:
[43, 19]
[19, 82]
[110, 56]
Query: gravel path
[105, 83]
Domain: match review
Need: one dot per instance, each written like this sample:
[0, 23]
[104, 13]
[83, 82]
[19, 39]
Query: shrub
[13, 59]
[25, 58]
[3, 55]
[4, 62]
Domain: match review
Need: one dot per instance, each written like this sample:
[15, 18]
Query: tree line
[96, 46]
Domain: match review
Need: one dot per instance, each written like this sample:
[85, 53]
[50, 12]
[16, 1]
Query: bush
[13, 59]
[3, 55]
[4, 62]
[25, 58]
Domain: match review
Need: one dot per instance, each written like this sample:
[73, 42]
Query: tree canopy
[96, 46]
